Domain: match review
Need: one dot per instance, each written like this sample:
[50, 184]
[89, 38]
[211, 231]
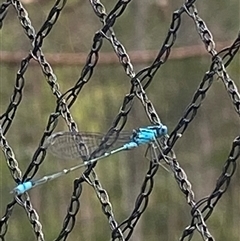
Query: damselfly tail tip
[15, 192]
[22, 188]
[12, 192]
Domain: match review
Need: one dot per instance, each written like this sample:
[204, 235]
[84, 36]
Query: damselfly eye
[163, 130]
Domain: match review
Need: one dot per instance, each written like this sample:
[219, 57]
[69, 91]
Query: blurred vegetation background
[202, 150]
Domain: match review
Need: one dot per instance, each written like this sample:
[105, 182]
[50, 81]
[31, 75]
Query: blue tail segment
[23, 187]
[64, 144]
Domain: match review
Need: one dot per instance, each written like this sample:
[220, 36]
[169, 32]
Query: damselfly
[66, 146]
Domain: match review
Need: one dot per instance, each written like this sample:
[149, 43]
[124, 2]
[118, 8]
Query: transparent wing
[66, 145]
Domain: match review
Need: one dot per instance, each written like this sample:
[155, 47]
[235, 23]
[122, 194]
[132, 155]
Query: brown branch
[107, 58]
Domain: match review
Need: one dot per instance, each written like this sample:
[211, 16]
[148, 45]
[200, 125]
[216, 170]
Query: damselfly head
[162, 130]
